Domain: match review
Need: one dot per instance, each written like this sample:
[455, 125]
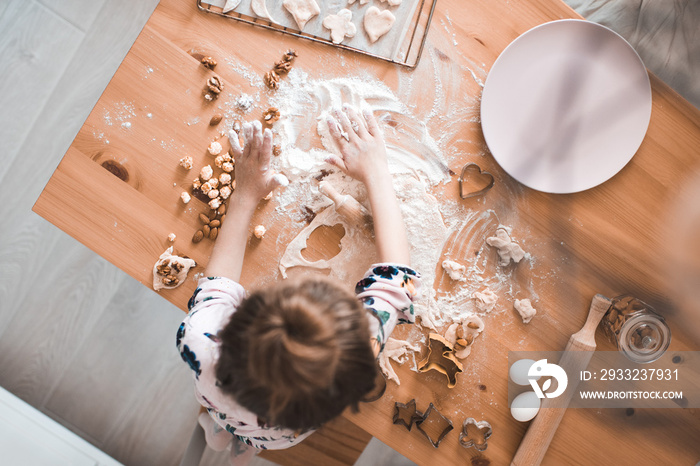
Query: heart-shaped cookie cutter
[474, 167]
[483, 432]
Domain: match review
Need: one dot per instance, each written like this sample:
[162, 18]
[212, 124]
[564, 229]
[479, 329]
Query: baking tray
[402, 45]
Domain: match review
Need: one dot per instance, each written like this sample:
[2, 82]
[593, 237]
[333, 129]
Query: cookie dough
[525, 309]
[507, 249]
[393, 2]
[302, 11]
[454, 269]
[485, 300]
[231, 5]
[259, 231]
[170, 271]
[461, 335]
[340, 25]
[260, 9]
[398, 351]
[377, 23]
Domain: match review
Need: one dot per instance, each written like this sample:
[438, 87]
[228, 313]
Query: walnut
[163, 269]
[290, 55]
[276, 150]
[215, 85]
[227, 167]
[215, 203]
[282, 67]
[271, 115]
[170, 280]
[209, 62]
[272, 79]
[176, 266]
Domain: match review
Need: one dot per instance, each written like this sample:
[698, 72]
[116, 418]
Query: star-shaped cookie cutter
[407, 414]
[475, 434]
[472, 171]
[441, 357]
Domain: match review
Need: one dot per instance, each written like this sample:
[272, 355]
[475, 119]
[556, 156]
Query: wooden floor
[79, 339]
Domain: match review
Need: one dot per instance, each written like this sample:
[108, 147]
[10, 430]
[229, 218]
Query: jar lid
[644, 338]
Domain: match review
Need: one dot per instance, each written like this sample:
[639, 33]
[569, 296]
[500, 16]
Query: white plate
[566, 106]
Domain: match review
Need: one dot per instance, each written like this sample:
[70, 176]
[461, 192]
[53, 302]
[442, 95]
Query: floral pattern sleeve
[388, 291]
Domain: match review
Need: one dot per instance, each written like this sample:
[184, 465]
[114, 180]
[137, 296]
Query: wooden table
[609, 240]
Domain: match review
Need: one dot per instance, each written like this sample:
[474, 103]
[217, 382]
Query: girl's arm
[254, 180]
[363, 157]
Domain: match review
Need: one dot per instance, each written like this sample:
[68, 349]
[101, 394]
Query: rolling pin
[346, 205]
[577, 355]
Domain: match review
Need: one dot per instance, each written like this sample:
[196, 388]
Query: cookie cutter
[406, 414]
[435, 422]
[441, 357]
[472, 167]
[478, 439]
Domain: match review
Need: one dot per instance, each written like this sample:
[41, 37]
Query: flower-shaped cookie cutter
[434, 425]
[441, 357]
[407, 414]
[481, 181]
[475, 434]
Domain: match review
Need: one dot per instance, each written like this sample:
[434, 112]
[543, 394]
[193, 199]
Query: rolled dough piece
[485, 300]
[302, 10]
[168, 259]
[260, 9]
[507, 249]
[525, 309]
[340, 25]
[231, 5]
[393, 2]
[362, 2]
[454, 269]
[398, 351]
[377, 23]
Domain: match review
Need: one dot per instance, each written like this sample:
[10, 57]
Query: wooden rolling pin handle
[576, 357]
[345, 205]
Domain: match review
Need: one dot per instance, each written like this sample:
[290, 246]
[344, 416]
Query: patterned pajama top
[387, 292]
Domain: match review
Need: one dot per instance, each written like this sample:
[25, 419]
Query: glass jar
[638, 331]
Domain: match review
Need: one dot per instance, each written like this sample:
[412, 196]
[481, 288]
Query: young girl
[273, 366]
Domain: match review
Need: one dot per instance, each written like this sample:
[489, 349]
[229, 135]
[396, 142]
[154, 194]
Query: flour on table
[485, 300]
[507, 249]
[525, 309]
[302, 10]
[454, 270]
[398, 350]
[377, 23]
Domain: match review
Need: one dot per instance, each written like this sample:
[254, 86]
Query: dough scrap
[340, 25]
[507, 249]
[525, 309]
[231, 5]
[260, 9]
[168, 259]
[377, 23]
[398, 351]
[302, 11]
[462, 334]
[454, 269]
[485, 300]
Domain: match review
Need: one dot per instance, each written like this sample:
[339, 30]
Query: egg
[525, 406]
[518, 371]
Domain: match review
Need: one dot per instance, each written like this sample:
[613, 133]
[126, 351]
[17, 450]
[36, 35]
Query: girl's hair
[297, 354]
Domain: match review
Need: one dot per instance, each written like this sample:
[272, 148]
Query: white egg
[525, 406]
[518, 371]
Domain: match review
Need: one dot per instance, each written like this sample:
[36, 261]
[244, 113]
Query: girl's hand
[363, 153]
[254, 178]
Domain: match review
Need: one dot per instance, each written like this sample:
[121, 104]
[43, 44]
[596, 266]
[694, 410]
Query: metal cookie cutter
[472, 171]
[475, 434]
